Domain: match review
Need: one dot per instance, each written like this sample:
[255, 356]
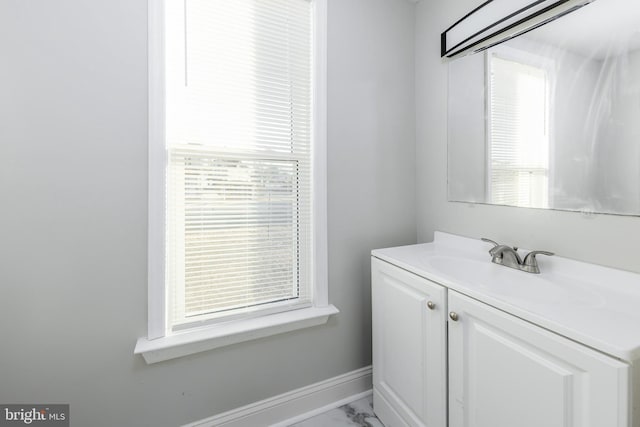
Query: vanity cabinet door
[409, 348]
[506, 372]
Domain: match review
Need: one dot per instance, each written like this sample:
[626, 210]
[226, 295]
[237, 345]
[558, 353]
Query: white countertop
[594, 305]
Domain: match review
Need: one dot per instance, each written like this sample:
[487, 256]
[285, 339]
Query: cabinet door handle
[454, 316]
[431, 305]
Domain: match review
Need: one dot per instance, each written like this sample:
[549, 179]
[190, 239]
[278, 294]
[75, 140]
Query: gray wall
[601, 239]
[73, 182]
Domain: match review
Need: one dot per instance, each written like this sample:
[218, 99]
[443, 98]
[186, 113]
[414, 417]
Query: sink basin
[517, 286]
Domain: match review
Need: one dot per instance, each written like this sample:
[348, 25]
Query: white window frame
[162, 344]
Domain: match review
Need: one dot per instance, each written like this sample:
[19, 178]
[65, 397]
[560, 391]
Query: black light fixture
[496, 21]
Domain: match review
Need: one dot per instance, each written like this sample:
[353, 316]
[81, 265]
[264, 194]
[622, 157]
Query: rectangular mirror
[551, 119]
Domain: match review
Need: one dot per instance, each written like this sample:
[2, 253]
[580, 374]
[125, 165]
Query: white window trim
[159, 345]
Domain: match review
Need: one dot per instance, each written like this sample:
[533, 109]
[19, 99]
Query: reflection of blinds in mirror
[518, 134]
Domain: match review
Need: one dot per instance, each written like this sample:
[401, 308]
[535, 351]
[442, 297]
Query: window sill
[207, 338]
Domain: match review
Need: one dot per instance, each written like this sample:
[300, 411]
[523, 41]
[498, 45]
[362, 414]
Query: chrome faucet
[509, 257]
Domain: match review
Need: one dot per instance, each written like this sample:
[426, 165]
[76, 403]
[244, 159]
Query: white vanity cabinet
[451, 349]
[504, 372]
[409, 348]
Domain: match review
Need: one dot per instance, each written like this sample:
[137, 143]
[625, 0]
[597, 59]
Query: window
[237, 174]
[519, 155]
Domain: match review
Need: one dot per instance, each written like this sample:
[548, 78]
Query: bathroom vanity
[459, 341]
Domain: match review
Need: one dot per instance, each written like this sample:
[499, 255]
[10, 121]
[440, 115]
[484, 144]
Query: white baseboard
[296, 405]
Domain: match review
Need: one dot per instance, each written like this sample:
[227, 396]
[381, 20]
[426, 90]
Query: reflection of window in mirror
[518, 129]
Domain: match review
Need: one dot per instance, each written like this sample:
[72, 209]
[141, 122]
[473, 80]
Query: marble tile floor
[358, 413]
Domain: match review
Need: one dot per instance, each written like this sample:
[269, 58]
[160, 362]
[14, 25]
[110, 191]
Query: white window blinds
[518, 133]
[238, 138]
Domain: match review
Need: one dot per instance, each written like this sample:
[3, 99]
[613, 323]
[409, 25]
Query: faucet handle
[533, 254]
[531, 263]
[495, 250]
[484, 239]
